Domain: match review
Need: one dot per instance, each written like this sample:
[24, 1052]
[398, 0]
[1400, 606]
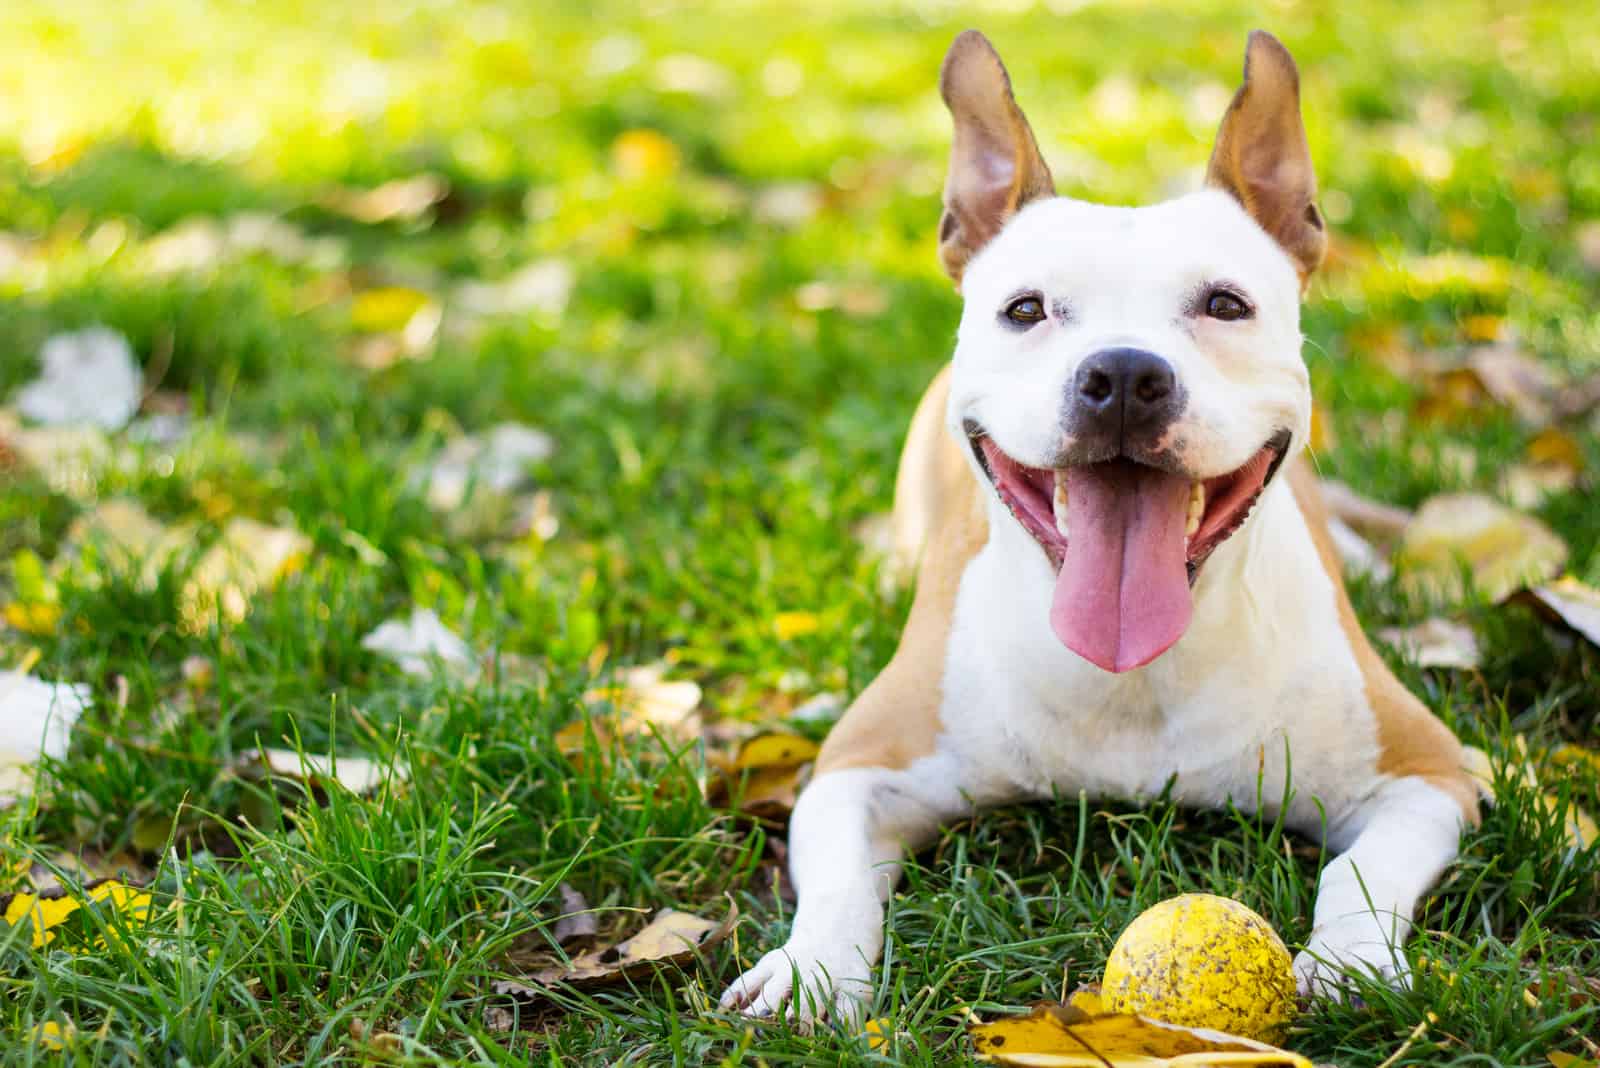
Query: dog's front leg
[846, 839]
[1404, 837]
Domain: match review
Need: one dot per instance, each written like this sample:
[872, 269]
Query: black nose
[1122, 393]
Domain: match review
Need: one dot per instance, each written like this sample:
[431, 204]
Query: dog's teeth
[1197, 509]
[1060, 503]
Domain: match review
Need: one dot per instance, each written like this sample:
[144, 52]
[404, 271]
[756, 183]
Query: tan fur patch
[1411, 740]
[938, 517]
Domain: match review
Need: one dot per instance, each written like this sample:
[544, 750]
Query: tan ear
[1261, 156]
[995, 166]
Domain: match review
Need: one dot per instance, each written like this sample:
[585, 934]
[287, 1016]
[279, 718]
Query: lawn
[696, 250]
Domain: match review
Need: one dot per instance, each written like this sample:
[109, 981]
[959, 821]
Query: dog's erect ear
[995, 166]
[1261, 156]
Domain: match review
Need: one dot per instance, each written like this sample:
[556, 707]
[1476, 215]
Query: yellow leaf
[879, 1032]
[1555, 446]
[40, 618]
[1063, 1037]
[1568, 1060]
[47, 911]
[1322, 438]
[644, 155]
[779, 749]
[376, 311]
[795, 624]
[1483, 327]
[51, 1035]
[1502, 549]
[1087, 1000]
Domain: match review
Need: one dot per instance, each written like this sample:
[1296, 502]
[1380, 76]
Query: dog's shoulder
[1412, 742]
[939, 526]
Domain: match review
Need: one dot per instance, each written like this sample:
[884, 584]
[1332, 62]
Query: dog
[1124, 574]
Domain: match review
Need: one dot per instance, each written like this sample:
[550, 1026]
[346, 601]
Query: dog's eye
[1227, 306]
[1025, 311]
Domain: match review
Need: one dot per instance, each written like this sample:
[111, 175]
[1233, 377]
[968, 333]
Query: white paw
[834, 983]
[1355, 945]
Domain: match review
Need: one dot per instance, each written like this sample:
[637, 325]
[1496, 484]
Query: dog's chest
[1263, 684]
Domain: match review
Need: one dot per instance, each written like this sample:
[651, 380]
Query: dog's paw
[833, 983]
[1355, 946]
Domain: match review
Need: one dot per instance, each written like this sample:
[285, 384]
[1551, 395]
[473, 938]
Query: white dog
[1123, 576]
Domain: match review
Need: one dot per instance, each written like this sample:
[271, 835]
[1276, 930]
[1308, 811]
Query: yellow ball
[1199, 960]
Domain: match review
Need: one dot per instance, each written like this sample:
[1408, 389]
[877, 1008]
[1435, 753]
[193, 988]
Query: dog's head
[1128, 379]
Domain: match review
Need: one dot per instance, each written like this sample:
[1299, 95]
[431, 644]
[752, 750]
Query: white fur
[1264, 681]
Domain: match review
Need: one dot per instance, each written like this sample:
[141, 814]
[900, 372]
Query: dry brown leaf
[1372, 518]
[765, 775]
[1436, 643]
[577, 922]
[1501, 548]
[671, 938]
[400, 200]
[1566, 601]
[1515, 379]
[1061, 1035]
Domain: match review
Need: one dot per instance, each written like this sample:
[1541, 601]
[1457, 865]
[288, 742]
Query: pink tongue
[1122, 597]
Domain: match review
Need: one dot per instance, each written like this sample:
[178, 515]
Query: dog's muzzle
[1120, 403]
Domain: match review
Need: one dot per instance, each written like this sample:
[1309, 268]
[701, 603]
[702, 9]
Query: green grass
[719, 437]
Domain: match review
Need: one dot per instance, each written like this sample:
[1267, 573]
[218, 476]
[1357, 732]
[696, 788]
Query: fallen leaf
[399, 200]
[1569, 1060]
[248, 558]
[495, 463]
[357, 774]
[671, 938]
[644, 155]
[1501, 548]
[386, 308]
[1436, 643]
[46, 912]
[577, 923]
[1580, 829]
[823, 708]
[777, 750]
[1566, 601]
[788, 204]
[642, 697]
[1060, 1035]
[1359, 556]
[36, 719]
[765, 775]
[790, 625]
[51, 1035]
[879, 1033]
[1515, 379]
[37, 609]
[422, 645]
[1554, 446]
[1527, 486]
[1372, 518]
[88, 378]
[70, 459]
[541, 287]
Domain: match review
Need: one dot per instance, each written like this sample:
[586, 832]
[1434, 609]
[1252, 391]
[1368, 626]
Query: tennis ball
[1199, 960]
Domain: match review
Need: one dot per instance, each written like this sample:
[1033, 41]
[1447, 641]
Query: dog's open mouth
[1127, 541]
